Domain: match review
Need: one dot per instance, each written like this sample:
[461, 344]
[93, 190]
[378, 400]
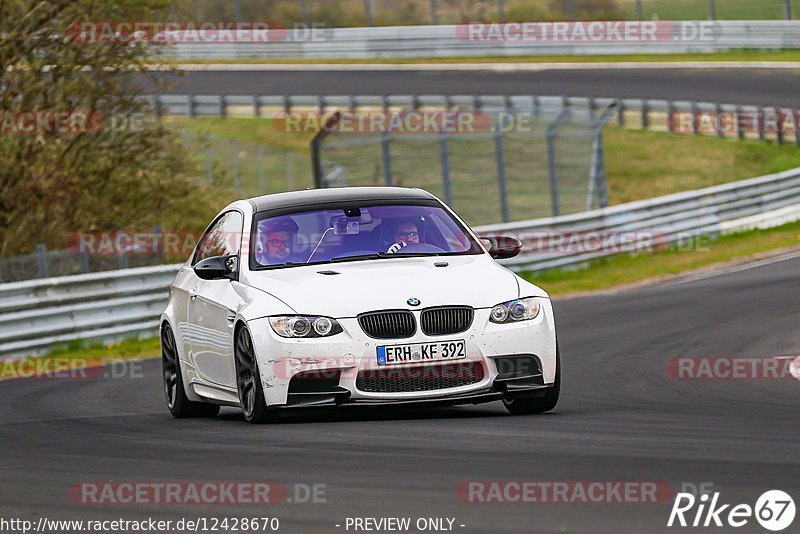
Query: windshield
[349, 232]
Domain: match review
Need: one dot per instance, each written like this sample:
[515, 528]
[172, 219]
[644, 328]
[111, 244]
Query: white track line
[736, 269]
[492, 67]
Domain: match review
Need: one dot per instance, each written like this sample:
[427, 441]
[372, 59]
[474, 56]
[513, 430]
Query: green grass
[645, 164]
[699, 9]
[731, 55]
[626, 269]
[79, 354]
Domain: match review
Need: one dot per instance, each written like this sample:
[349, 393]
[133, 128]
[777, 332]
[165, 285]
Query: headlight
[515, 310]
[304, 326]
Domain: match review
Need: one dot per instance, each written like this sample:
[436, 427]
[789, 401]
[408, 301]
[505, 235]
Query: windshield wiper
[383, 255]
[375, 256]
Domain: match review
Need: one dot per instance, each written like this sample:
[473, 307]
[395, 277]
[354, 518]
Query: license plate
[422, 352]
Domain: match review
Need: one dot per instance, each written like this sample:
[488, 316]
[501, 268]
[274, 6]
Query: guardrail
[454, 41]
[776, 123]
[36, 314]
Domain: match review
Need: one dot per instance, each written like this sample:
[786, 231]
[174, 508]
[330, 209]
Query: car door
[212, 305]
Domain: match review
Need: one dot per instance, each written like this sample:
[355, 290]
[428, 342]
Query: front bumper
[339, 359]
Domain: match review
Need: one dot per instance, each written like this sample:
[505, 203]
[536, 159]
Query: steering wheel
[414, 248]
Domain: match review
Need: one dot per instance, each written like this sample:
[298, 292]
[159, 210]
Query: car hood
[361, 286]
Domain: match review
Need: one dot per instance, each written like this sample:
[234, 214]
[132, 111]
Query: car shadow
[348, 414]
[373, 413]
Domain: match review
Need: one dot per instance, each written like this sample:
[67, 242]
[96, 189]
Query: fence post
[386, 153]
[190, 106]
[551, 159]
[289, 176]
[695, 121]
[712, 10]
[235, 165]
[222, 109]
[41, 260]
[434, 20]
[794, 126]
[670, 116]
[645, 114]
[123, 260]
[571, 9]
[779, 124]
[501, 173]
[1, 269]
[262, 180]
[256, 106]
[83, 259]
[787, 10]
[157, 106]
[739, 129]
[718, 121]
[443, 153]
[367, 12]
[501, 11]
[639, 14]
[761, 132]
[209, 159]
[620, 112]
[597, 170]
[304, 13]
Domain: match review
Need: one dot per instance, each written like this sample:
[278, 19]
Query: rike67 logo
[774, 510]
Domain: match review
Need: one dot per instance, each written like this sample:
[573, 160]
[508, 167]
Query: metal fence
[405, 12]
[533, 157]
[514, 170]
[36, 314]
[247, 169]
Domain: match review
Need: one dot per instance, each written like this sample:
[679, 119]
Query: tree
[106, 166]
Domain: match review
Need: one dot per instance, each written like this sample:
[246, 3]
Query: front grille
[428, 378]
[446, 320]
[388, 324]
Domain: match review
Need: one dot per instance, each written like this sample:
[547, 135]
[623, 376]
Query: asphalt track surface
[760, 86]
[621, 418]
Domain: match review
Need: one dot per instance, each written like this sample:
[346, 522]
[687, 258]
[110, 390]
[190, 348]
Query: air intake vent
[388, 324]
[446, 320]
[427, 378]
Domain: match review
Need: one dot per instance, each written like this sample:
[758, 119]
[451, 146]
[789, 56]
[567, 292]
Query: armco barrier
[36, 314]
[449, 41]
[679, 116]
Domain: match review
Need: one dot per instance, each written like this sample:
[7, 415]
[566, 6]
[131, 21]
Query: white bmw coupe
[353, 296]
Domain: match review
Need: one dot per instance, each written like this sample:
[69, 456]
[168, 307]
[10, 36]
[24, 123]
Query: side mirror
[503, 246]
[217, 268]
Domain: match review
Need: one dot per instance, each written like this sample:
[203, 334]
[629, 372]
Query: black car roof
[308, 197]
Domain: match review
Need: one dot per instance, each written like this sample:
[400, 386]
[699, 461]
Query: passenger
[275, 241]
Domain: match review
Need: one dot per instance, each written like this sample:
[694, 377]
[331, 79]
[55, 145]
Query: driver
[275, 241]
[404, 233]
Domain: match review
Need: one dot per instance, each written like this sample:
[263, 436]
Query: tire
[531, 405]
[248, 380]
[178, 403]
